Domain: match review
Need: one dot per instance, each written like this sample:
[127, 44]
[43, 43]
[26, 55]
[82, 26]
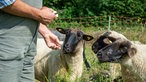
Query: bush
[80, 8]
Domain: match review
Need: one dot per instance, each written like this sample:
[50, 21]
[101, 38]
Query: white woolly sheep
[66, 62]
[130, 55]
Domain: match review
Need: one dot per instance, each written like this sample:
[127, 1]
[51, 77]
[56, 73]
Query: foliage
[79, 8]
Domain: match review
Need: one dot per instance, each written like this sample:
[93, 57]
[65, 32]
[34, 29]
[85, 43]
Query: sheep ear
[87, 37]
[107, 41]
[61, 30]
[132, 52]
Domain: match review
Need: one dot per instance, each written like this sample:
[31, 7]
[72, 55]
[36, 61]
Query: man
[19, 22]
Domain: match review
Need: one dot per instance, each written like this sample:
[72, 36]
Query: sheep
[127, 53]
[104, 40]
[66, 62]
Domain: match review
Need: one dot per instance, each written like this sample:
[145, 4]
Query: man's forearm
[22, 9]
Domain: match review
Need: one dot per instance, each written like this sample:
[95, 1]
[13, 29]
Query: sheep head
[116, 51]
[73, 39]
[106, 39]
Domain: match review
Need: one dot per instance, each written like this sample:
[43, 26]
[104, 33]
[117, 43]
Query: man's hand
[47, 15]
[51, 39]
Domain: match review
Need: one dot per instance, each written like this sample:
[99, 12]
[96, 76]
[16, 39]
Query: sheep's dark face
[115, 52]
[73, 39]
[101, 41]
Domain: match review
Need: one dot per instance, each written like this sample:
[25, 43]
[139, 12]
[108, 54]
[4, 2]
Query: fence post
[109, 23]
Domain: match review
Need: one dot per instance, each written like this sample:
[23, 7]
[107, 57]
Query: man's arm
[19, 8]
[44, 15]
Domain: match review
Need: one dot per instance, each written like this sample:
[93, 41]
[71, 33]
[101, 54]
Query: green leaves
[81, 8]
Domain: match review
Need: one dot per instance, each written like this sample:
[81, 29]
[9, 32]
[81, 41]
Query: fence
[99, 21]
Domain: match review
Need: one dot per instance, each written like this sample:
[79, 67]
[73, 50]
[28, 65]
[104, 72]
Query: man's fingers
[53, 46]
[56, 14]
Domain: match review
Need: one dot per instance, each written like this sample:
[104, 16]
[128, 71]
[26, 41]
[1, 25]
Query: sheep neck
[73, 62]
[136, 64]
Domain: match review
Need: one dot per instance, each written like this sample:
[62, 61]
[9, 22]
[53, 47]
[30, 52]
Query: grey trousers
[18, 46]
[17, 49]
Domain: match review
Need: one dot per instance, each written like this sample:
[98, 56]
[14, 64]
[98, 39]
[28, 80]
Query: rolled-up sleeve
[5, 3]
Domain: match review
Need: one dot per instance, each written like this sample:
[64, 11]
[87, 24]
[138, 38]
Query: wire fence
[99, 21]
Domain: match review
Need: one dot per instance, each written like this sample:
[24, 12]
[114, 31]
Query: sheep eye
[67, 32]
[79, 35]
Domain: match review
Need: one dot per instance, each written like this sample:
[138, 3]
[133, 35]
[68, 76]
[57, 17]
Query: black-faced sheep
[66, 62]
[103, 40]
[130, 55]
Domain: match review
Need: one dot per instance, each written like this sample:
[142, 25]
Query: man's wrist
[36, 14]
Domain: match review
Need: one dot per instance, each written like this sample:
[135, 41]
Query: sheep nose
[94, 49]
[66, 45]
[67, 48]
[99, 54]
